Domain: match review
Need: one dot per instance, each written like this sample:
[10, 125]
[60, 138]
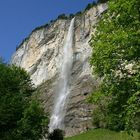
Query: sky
[19, 17]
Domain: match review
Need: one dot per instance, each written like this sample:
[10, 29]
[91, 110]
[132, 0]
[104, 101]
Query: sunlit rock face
[41, 56]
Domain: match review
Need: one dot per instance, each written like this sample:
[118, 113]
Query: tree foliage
[33, 124]
[90, 5]
[62, 16]
[102, 1]
[116, 59]
[16, 103]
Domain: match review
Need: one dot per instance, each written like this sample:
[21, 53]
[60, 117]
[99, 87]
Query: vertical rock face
[41, 56]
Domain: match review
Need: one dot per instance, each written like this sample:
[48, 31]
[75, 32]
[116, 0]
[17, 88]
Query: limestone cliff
[41, 55]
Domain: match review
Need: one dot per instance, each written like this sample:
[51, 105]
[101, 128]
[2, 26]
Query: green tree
[62, 16]
[89, 6]
[71, 16]
[78, 13]
[33, 125]
[116, 60]
[102, 1]
[15, 96]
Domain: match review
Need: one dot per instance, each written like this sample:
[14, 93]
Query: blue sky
[19, 17]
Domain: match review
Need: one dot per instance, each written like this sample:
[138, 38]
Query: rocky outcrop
[41, 55]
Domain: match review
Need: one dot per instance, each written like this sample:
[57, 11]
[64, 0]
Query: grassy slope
[102, 134]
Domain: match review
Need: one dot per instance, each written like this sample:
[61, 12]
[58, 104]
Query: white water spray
[62, 95]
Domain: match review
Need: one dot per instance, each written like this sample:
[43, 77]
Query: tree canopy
[116, 60]
[18, 112]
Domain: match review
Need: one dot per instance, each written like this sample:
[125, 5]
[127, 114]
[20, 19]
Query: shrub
[57, 134]
[62, 16]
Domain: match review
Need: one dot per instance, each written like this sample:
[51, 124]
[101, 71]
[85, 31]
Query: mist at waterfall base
[62, 95]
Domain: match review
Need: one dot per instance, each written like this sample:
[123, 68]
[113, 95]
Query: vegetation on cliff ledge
[116, 59]
[62, 16]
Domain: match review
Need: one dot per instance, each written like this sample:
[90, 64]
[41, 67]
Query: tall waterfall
[62, 95]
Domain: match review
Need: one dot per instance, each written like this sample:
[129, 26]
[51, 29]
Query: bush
[57, 134]
[102, 1]
[62, 16]
[78, 13]
[88, 6]
[71, 16]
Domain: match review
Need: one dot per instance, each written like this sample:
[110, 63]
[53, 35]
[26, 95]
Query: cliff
[41, 56]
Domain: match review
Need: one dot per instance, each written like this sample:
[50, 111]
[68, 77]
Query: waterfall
[62, 95]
